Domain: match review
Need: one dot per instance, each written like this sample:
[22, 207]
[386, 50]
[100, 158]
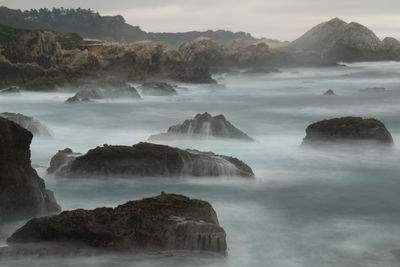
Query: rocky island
[347, 129]
[145, 160]
[203, 126]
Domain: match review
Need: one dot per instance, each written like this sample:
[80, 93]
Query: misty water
[337, 206]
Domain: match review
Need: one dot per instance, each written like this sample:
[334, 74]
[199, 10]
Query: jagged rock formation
[164, 222]
[203, 126]
[36, 61]
[158, 89]
[146, 160]
[334, 41]
[329, 92]
[29, 123]
[347, 129]
[23, 193]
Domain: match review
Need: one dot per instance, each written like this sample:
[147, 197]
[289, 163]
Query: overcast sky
[279, 19]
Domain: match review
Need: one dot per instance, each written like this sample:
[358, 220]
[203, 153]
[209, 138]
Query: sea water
[306, 207]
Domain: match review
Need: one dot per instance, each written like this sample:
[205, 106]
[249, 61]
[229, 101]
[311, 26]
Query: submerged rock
[10, 90]
[146, 159]
[72, 99]
[23, 193]
[203, 125]
[29, 123]
[107, 89]
[329, 92]
[374, 90]
[347, 129]
[158, 89]
[164, 222]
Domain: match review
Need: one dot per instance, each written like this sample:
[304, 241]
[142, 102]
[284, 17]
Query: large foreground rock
[166, 222]
[144, 160]
[29, 123]
[23, 193]
[201, 126]
[347, 129]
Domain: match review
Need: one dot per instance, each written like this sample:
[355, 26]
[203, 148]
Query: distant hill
[337, 40]
[90, 24]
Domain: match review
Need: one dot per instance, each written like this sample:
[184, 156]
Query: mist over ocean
[306, 207]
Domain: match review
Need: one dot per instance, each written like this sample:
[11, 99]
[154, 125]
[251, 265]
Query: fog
[336, 206]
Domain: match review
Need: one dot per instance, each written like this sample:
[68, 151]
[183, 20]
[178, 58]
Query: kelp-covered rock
[347, 129]
[203, 126]
[164, 222]
[29, 123]
[147, 160]
[23, 193]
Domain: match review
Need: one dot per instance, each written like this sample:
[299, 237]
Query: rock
[164, 222]
[347, 129]
[61, 159]
[149, 160]
[72, 99]
[104, 89]
[29, 123]
[203, 125]
[10, 90]
[203, 52]
[392, 48]
[23, 193]
[90, 93]
[158, 89]
[336, 41]
[329, 92]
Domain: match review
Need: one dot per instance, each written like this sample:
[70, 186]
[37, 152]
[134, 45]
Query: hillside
[337, 40]
[90, 24]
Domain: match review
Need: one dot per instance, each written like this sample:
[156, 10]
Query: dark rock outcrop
[29, 123]
[347, 129]
[203, 126]
[146, 160]
[164, 222]
[158, 89]
[329, 92]
[23, 193]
